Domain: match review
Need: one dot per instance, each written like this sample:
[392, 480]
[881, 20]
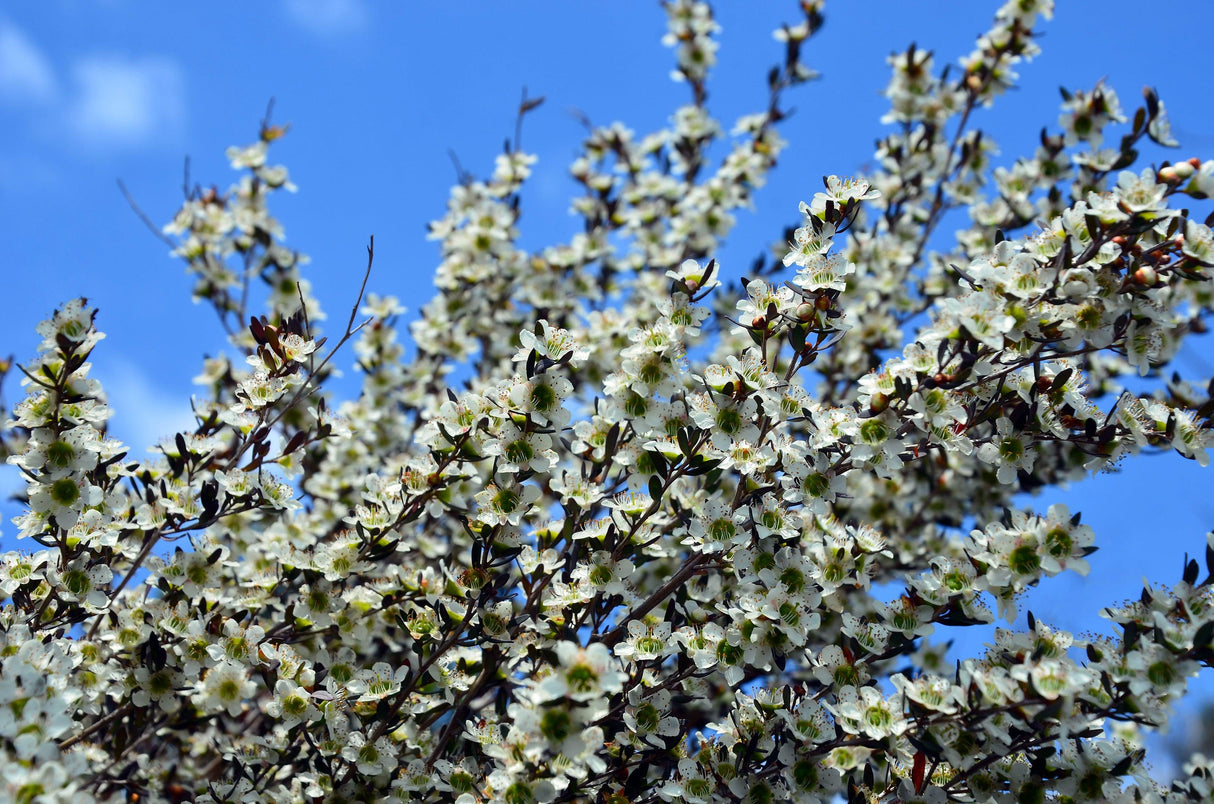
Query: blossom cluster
[621, 527]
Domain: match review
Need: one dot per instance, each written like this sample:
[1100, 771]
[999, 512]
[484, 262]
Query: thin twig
[303, 308]
[462, 176]
[99, 723]
[306, 387]
[185, 178]
[361, 289]
[265, 121]
[152, 227]
[684, 572]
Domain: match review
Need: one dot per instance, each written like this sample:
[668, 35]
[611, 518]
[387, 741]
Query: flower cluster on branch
[616, 526]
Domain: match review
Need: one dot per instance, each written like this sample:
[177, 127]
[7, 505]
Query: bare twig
[306, 387]
[97, 724]
[361, 290]
[303, 308]
[265, 121]
[461, 175]
[525, 105]
[152, 227]
[185, 178]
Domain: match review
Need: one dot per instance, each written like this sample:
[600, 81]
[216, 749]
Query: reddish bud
[1146, 276]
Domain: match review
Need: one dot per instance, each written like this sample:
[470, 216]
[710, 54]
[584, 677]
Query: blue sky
[377, 94]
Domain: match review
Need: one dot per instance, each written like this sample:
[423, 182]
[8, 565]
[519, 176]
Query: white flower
[64, 498]
[866, 711]
[372, 757]
[552, 343]
[83, 583]
[225, 687]
[291, 704]
[583, 674]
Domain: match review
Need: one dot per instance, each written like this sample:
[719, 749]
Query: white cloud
[102, 100]
[144, 413]
[124, 101]
[25, 73]
[327, 17]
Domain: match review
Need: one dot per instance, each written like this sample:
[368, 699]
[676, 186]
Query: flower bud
[1146, 276]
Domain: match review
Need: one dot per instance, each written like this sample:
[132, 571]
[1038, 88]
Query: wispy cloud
[123, 101]
[101, 100]
[144, 413]
[25, 73]
[327, 18]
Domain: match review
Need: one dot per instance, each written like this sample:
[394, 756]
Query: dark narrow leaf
[1191, 571]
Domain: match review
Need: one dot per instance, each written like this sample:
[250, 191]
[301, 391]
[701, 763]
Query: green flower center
[1011, 449]
[556, 724]
[1024, 560]
[77, 582]
[543, 398]
[1058, 543]
[721, 530]
[647, 718]
[65, 492]
[505, 501]
[816, 485]
[520, 451]
[874, 432]
[729, 421]
[61, 453]
[581, 678]
[294, 705]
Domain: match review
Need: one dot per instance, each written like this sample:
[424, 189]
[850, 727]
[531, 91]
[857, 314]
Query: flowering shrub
[615, 531]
